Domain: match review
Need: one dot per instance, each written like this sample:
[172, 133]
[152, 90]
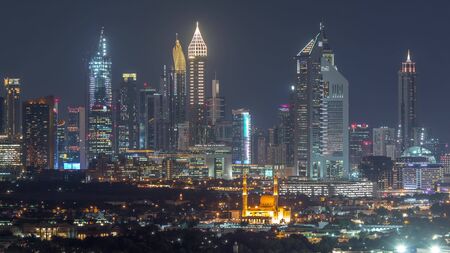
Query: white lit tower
[197, 55]
[99, 102]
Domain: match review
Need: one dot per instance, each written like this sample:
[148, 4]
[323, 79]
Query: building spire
[197, 47]
[102, 50]
[408, 57]
[179, 61]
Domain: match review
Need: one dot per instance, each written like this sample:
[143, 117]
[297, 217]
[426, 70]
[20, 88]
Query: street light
[435, 249]
[401, 248]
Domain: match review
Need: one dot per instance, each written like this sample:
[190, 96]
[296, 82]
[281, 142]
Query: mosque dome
[417, 151]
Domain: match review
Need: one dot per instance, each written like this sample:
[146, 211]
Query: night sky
[251, 45]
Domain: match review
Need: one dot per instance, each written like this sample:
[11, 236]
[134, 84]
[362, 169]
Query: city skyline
[273, 81]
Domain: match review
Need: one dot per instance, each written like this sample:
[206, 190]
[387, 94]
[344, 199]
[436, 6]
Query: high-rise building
[179, 83]
[76, 138]
[407, 112]
[242, 132]
[285, 134]
[320, 113]
[10, 158]
[197, 54]
[39, 132]
[2, 115]
[147, 118]
[360, 144]
[215, 104]
[166, 121]
[127, 114]
[378, 169]
[100, 127]
[60, 144]
[259, 150]
[13, 107]
[384, 142]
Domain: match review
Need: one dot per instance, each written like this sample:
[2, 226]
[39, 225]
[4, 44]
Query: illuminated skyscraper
[127, 110]
[76, 138]
[100, 99]
[242, 132]
[197, 53]
[384, 142]
[100, 90]
[60, 144]
[215, 104]
[13, 107]
[407, 117]
[39, 132]
[179, 83]
[360, 144]
[320, 113]
[147, 124]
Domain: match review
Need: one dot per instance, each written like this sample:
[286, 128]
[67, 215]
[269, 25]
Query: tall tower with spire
[179, 83]
[407, 117]
[197, 55]
[319, 112]
[99, 102]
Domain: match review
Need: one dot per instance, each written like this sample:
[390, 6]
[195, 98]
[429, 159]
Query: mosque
[268, 211]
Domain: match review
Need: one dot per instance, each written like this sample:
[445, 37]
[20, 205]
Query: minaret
[275, 191]
[244, 195]
[197, 53]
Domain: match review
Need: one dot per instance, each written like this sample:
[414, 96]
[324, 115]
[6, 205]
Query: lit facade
[100, 128]
[384, 142]
[10, 158]
[242, 132]
[268, 211]
[147, 117]
[197, 55]
[76, 138]
[13, 107]
[39, 133]
[349, 189]
[407, 112]
[215, 104]
[320, 113]
[100, 132]
[360, 144]
[127, 110]
[418, 170]
[179, 83]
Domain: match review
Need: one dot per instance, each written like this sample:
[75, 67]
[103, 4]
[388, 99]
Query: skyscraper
[99, 102]
[320, 112]
[179, 83]
[360, 144]
[197, 53]
[407, 113]
[13, 107]
[39, 132]
[285, 135]
[2, 115]
[166, 125]
[384, 142]
[76, 138]
[215, 104]
[242, 132]
[180, 96]
[147, 128]
[127, 118]
[60, 144]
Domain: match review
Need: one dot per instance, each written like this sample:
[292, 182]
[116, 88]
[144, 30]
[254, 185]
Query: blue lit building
[242, 132]
[99, 103]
